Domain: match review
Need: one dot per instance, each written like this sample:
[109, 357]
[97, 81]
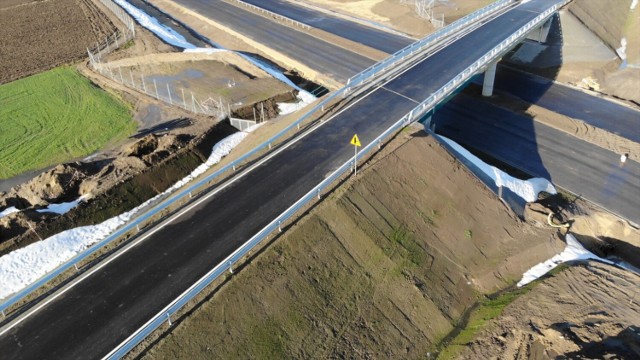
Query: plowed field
[37, 36]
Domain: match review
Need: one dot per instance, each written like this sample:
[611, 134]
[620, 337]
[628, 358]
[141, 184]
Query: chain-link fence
[164, 91]
[137, 80]
[126, 19]
[115, 40]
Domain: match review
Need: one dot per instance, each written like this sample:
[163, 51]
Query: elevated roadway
[117, 297]
[536, 149]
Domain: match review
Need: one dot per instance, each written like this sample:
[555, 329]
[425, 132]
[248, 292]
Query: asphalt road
[318, 54]
[366, 35]
[98, 313]
[542, 151]
[602, 113]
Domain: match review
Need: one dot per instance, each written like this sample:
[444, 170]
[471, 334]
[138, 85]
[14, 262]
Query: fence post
[144, 86]
[169, 92]
[156, 86]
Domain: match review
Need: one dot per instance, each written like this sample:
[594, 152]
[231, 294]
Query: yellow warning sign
[355, 141]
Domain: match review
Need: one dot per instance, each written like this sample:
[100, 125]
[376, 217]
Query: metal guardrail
[282, 18]
[164, 204]
[316, 193]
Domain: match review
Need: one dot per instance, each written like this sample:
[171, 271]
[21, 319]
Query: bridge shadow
[500, 129]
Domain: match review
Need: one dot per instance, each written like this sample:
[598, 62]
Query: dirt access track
[38, 35]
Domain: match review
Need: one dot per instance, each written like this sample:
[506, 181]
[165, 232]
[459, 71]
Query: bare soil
[219, 77]
[384, 268]
[400, 15]
[586, 311]
[40, 35]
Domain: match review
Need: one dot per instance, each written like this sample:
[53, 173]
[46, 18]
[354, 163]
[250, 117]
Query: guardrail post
[138, 227]
[230, 267]
[318, 194]
[75, 266]
[279, 226]
[169, 319]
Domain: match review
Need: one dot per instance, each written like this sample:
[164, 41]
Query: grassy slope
[55, 116]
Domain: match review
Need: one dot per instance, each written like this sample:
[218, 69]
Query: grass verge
[485, 311]
[54, 117]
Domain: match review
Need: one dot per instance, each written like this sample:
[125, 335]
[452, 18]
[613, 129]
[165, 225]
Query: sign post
[356, 144]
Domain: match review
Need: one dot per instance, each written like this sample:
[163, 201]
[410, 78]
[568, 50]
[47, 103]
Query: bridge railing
[419, 46]
[316, 193]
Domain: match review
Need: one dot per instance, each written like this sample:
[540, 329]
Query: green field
[54, 117]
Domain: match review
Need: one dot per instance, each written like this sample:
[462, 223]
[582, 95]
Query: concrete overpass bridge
[115, 304]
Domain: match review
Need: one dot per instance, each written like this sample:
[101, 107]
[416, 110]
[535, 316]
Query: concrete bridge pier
[489, 78]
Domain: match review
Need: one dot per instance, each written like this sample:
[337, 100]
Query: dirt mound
[384, 268]
[56, 185]
[267, 108]
[115, 185]
[144, 146]
[586, 311]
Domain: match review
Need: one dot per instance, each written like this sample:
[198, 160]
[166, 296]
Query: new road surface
[558, 160]
[540, 150]
[96, 314]
[366, 35]
[315, 53]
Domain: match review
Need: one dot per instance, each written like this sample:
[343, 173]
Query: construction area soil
[400, 14]
[589, 311]
[384, 268]
[39, 35]
[222, 79]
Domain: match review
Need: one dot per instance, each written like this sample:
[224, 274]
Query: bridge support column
[428, 125]
[489, 78]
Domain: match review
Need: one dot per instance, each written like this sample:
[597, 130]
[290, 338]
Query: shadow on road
[494, 130]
